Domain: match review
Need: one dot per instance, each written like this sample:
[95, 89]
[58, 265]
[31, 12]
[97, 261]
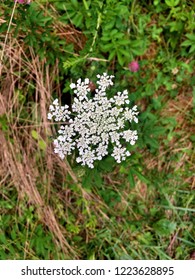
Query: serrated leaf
[72, 61]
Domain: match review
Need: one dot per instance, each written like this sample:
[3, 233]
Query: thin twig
[6, 37]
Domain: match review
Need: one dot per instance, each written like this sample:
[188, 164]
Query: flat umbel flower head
[94, 123]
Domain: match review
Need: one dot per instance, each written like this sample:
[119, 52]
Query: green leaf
[120, 58]
[34, 134]
[92, 256]
[3, 123]
[97, 179]
[159, 130]
[109, 25]
[124, 42]
[75, 4]
[164, 227]
[152, 142]
[113, 32]
[140, 176]
[112, 55]
[192, 138]
[72, 61]
[186, 43]
[131, 179]
[42, 145]
[125, 52]
[106, 164]
[77, 20]
[172, 3]
[108, 47]
[191, 37]
[192, 49]
[3, 238]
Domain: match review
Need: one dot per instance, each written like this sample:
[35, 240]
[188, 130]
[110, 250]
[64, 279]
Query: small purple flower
[133, 66]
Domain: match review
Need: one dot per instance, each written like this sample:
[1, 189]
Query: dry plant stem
[97, 59]
[6, 37]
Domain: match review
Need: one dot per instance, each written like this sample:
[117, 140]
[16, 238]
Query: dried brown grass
[22, 162]
[19, 163]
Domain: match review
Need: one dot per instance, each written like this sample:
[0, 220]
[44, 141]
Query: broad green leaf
[172, 3]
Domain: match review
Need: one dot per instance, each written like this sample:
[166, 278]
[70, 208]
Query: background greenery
[140, 209]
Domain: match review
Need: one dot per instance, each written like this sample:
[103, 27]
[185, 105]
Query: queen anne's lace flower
[130, 136]
[104, 82]
[94, 123]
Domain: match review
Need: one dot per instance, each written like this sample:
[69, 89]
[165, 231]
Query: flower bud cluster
[94, 124]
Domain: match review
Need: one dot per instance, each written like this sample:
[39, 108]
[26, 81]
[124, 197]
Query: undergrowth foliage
[98, 121]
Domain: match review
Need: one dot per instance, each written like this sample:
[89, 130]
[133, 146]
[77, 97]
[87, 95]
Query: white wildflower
[59, 113]
[130, 136]
[81, 89]
[87, 158]
[102, 150]
[120, 153]
[104, 81]
[95, 123]
[121, 98]
[175, 71]
[130, 114]
[55, 102]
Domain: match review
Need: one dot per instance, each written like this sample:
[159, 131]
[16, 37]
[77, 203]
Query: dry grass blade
[22, 174]
[18, 162]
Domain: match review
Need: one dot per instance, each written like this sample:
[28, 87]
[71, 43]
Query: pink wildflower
[133, 66]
